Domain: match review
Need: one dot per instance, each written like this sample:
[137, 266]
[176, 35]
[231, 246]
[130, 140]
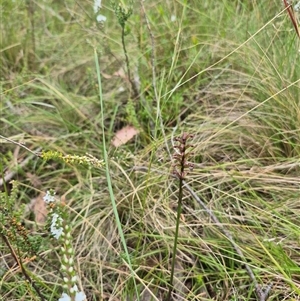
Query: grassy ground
[227, 72]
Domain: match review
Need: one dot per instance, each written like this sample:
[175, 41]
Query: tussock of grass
[243, 110]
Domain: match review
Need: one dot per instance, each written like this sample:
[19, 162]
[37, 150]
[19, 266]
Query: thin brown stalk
[289, 9]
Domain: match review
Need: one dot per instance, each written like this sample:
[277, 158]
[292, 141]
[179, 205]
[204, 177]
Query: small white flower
[55, 227]
[70, 270]
[173, 18]
[97, 5]
[101, 18]
[49, 198]
[56, 232]
[74, 289]
[297, 7]
[64, 297]
[55, 217]
[66, 286]
[65, 259]
[80, 296]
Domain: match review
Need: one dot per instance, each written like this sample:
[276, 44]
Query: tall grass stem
[108, 177]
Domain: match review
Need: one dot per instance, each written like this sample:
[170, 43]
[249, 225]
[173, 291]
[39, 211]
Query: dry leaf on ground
[38, 206]
[124, 135]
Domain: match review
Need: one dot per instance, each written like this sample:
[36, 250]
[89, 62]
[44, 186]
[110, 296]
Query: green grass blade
[109, 183]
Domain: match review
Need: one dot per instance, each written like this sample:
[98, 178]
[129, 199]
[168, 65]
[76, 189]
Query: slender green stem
[108, 178]
[181, 155]
[182, 164]
[134, 89]
[179, 209]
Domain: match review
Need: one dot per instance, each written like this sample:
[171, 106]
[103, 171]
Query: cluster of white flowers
[49, 197]
[80, 296]
[56, 226]
[62, 231]
[297, 7]
[97, 6]
[56, 222]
